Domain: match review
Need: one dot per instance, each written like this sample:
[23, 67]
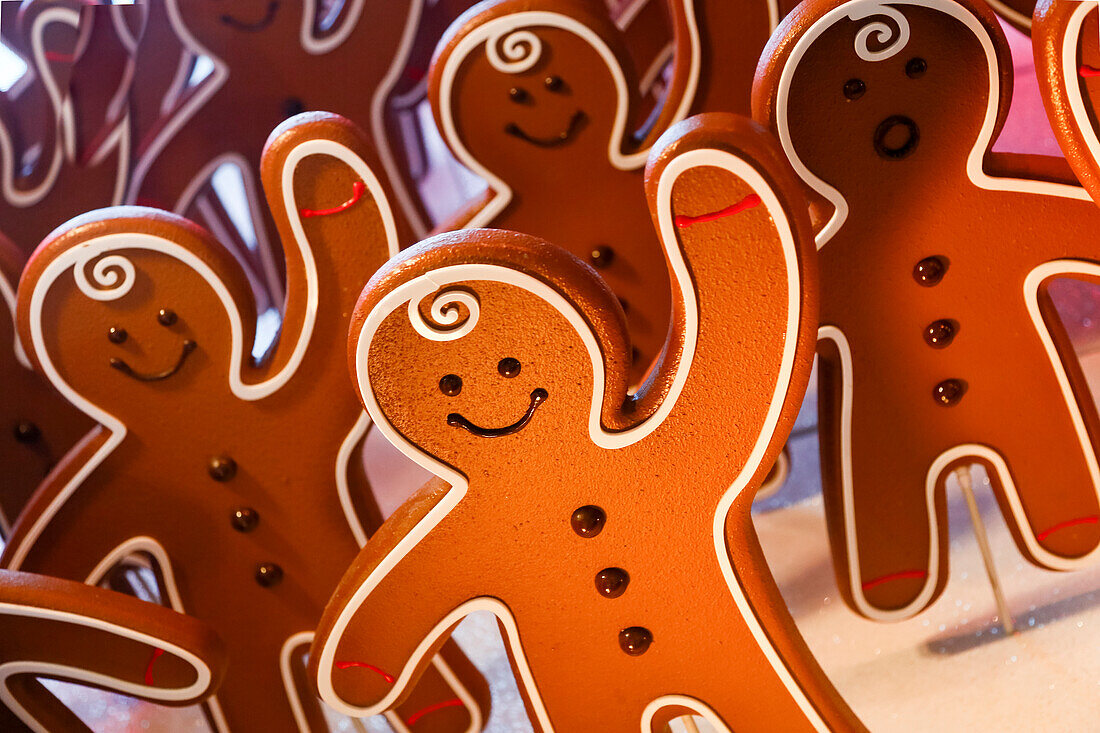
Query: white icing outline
[975, 169]
[695, 705]
[203, 674]
[7, 292]
[79, 257]
[982, 453]
[489, 33]
[311, 45]
[434, 280]
[1070, 39]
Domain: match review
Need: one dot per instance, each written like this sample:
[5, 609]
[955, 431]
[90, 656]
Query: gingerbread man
[38, 425]
[62, 630]
[81, 163]
[536, 98]
[237, 478]
[610, 534]
[273, 59]
[939, 344]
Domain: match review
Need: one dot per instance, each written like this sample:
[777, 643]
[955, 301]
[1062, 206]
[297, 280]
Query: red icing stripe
[902, 575]
[346, 665]
[149, 667]
[357, 190]
[1065, 525]
[455, 703]
[747, 203]
[64, 58]
[1086, 70]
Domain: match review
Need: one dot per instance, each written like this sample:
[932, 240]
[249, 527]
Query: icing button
[854, 89]
[941, 333]
[929, 271]
[601, 256]
[635, 641]
[222, 468]
[245, 519]
[612, 582]
[949, 392]
[509, 367]
[588, 521]
[27, 432]
[268, 574]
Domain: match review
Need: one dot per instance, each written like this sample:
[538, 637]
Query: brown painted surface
[906, 209]
[516, 536]
[194, 453]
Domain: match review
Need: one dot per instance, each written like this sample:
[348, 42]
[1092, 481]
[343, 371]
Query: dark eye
[854, 88]
[450, 385]
[553, 83]
[116, 335]
[916, 67]
[508, 367]
[167, 317]
[518, 94]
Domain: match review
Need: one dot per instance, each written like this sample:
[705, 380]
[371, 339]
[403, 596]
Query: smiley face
[167, 318]
[519, 121]
[217, 24]
[508, 367]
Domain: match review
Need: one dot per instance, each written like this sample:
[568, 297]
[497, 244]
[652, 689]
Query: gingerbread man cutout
[59, 629]
[273, 60]
[38, 425]
[556, 508]
[536, 98]
[236, 479]
[1067, 62]
[83, 165]
[939, 344]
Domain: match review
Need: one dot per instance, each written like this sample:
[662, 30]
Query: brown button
[268, 574]
[949, 392]
[245, 519]
[635, 640]
[612, 582]
[222, 468]
[930, 271]
[588, 521]
[941, 333]
[27, 432]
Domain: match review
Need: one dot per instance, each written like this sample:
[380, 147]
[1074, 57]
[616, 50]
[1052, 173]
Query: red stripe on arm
[902, 575]
[1087, 71]
[1066, 525]
[346, 665]
[454, 703]
[357, 190]
[748, 202]
[149, 667]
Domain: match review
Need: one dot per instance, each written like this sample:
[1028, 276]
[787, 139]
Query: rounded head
[863, 93]
[125, 308]
[487, 342]
[517, 87]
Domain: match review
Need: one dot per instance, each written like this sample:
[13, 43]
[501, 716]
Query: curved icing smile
[537, 398]
[560, 139]
[119, 364]
[259, 25]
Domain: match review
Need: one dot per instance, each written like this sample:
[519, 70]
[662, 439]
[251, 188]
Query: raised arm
[68, 631]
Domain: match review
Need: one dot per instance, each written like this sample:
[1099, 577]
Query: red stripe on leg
[901, 575]
[454, 703]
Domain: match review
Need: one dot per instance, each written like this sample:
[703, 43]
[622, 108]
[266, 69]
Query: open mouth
[896, 137]
[119, 364]
[537, 398]
[552, 142]
[259, 25]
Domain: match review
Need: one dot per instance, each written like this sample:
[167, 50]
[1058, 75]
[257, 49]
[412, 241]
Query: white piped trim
[429, 283]
[857, 10]
[86, 677]
[296, 641]
[697, 707]
[521, 22]
[343, 491]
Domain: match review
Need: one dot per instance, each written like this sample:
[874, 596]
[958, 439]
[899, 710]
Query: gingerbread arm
[69, 631]
[335, 222]
[379, 633]
[686, 65]
[739, 250]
